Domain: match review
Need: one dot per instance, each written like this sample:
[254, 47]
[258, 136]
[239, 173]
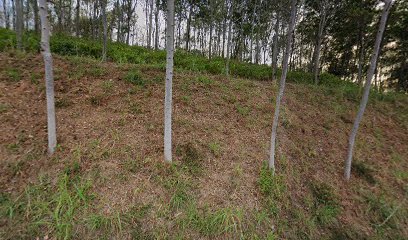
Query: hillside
[108, 179]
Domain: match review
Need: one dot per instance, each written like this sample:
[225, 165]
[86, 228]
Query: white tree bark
[282, 85]
[49, 77]
[169, 81]
[229, 38]
[370, 74]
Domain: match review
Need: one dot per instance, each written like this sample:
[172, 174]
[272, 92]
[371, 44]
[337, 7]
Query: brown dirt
[109, 132]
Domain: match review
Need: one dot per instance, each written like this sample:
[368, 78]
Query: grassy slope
[108, 177]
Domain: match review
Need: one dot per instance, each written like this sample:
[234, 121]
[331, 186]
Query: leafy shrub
[134, 77]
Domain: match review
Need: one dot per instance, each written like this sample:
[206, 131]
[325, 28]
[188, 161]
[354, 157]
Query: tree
[49, 77]
[105, 29]
[169, 81]
[282, 84]
[371, 71]
[19, 23]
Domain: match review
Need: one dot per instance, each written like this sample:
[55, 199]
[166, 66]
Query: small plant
[131, 165]
[190, 157]
[134, 108]
[326, 204]
[35, 78]
[62, 102]
[13, 74]
[107, 86]
[244, 111]
[134, 77]
[204, 80]
[96, 100]
[215, 148]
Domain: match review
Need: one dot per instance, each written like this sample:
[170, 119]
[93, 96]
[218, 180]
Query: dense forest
[211, 119]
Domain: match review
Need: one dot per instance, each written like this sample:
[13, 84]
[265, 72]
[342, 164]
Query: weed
[244, 111]
[134, 108]
[96, 71]
[204, 80]
[215, 148]
[186, 99]
[35, 78]
[107, 86]
[326, 204]
[134, 77]
[13, 74]
[191, 158]
[13, 147]
[131, 165]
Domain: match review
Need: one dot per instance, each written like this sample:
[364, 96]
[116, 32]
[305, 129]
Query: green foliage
[48, 207]
[326, 204]
[134, 77]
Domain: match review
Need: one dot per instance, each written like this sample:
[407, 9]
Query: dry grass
[110, 134]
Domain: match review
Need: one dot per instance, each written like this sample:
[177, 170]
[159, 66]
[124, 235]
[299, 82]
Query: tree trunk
[275, 49]
[316, 58]
[36, 17]
[363, 103]
[227, 70]
[360, 61]
[19, 23]
[49, 77]
[105, 30]
[149, 40]
[282, 85]
[169, 81]
[77, 9]
[188, 30]
[156, 20]
[6, 15]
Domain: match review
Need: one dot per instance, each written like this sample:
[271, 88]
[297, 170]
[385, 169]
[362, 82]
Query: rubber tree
[323, 4]
[19, 23]
[282, 85]
[229, 38]
[49, 76]
[105, 29]
[370, 74]
[169, 81]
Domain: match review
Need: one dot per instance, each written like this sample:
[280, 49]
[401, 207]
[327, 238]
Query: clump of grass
[326, 203]
[131, 165]
[191, 158]
[107, 86]
[4, 107]
[135, 108]
[204, 80]
[244, 111]
[13, 74]
[96, 71]
[45, 207]
[134, 77]
[363, 171]
[272, 188]
[215, 148]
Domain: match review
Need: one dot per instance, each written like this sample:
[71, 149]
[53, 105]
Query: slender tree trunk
[77, 9]
[36, 17]
[169, 81]
[105, 30]
[371, 71]
[156, 21]
[13, 12]
[49, 77]
[19, 23]
[360, 61]
[188, 30]
[282, 85]
[275, 49]
[227, 70]
[6, 15]
[322, 25]
[149, 39]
